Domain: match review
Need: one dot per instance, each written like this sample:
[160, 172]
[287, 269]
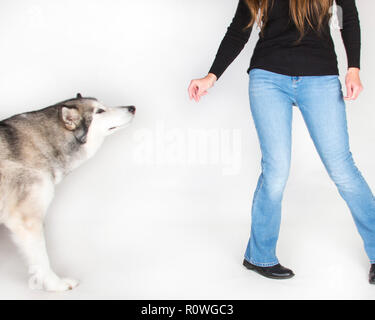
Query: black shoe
[274, 272]
[372, 274]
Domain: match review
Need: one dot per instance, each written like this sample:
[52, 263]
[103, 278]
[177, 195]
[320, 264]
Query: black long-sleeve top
[278, 50]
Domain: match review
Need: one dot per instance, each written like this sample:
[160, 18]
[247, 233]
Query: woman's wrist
[212, 77]
[353, 70]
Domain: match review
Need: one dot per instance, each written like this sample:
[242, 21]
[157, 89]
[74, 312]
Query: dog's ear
[79, 96]
[70, 117]
[73, 121]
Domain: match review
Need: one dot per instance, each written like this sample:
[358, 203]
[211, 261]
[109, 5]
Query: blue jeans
[321, 102]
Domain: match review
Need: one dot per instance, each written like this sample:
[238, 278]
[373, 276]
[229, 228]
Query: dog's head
[88, 117]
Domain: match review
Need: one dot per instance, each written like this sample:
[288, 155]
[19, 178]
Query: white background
[132, 230]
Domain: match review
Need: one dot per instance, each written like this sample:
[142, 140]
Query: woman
[295, 64]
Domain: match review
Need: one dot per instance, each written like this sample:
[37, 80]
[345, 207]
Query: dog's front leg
[29, 236]
[26, 224]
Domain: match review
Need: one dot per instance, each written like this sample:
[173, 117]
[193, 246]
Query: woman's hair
[304, 13]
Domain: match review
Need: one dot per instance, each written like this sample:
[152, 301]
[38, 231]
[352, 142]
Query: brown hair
[303, 12]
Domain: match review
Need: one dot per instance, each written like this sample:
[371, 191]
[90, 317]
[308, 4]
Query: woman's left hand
[353, 84]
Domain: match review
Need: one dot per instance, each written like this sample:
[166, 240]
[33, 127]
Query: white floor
[181, 258]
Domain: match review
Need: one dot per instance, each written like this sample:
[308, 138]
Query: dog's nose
[132, 109]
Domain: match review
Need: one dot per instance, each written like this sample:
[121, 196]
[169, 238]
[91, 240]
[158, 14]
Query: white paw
[51, 282]
[71, 283]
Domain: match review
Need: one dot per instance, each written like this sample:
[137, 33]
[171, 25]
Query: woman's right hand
[199, 87]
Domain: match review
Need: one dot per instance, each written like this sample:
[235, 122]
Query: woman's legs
[272, 110]
[321, 102]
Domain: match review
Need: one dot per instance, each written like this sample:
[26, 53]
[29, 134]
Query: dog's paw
[51, 282]
[71, 283]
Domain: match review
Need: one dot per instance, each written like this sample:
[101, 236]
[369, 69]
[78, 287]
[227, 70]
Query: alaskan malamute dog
[37, 149]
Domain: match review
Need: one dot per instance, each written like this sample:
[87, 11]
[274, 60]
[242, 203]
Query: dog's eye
[100, 111]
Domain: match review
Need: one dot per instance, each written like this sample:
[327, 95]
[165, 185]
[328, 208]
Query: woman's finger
[357, 90]
[349, 91]
[196, 92]
[197, 97]
[191, 90]
[190, 93]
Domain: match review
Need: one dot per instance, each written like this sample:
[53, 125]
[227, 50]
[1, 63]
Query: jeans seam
[262, 264]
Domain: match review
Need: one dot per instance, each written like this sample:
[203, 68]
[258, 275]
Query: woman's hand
[353, 84]
[199, 87]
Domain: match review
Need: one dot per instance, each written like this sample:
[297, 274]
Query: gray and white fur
[37, 150]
